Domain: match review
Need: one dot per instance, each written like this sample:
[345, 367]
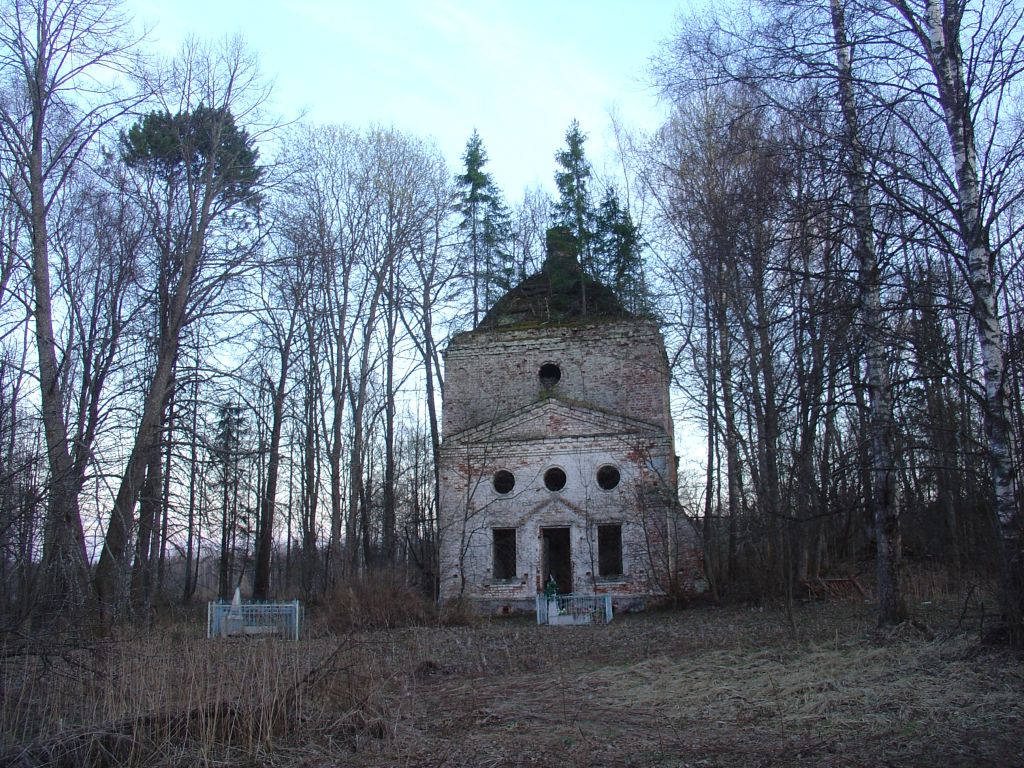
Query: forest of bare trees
[221, 336]
[839, 187]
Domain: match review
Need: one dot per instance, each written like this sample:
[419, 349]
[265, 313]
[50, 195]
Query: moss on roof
[561, 292]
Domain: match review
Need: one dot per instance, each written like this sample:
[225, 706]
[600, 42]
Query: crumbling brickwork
[558, 463]
[617, 366]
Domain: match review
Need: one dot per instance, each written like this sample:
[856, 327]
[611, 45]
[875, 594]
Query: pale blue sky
[518, 71]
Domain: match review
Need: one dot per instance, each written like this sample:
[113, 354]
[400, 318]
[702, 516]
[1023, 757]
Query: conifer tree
[608, 240]
[617, 252]
[485, 229]
[197, 174]
[573, 208]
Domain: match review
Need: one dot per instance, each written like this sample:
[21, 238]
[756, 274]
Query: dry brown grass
[168, 700]
[382, 601]
[702, 687]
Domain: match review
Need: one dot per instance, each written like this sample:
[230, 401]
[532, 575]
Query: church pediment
[554, 418]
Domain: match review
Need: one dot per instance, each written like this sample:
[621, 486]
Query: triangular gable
[554, 507]
[553, 418]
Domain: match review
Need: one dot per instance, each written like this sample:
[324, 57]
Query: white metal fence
[227, 619]
[574, 609]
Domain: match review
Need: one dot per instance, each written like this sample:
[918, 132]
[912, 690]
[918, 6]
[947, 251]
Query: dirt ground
[700, 687]
[703, 687]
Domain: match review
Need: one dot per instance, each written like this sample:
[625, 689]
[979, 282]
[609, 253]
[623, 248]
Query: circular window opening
[608, 477]
[554, 479]
[504, 481]
[549, 374]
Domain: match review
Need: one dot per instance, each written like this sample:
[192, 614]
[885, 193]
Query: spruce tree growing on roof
[573, 208]
[485, 230]
[617, 253]
[609, 244]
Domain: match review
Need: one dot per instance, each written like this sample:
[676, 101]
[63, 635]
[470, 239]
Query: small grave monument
[253, 619]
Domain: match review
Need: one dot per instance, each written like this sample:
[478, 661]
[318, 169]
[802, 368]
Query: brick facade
[604, 426]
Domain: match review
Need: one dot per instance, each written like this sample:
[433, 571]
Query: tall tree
[228, 449]
[574, 208]
[618, 250]
[975, 56]
[891, 606]
[197, 173]
[323, 218]
[288, 288]
[485, 229]
[406, 201]
[55, 56]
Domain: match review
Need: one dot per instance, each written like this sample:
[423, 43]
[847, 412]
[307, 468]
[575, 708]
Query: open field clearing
[701, 687]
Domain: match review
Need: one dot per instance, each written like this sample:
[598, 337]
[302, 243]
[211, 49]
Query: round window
[504, 481]
[608, 477]
[554, 479]
[549, 374]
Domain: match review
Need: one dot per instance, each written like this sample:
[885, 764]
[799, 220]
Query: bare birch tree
[975, 56]
[891, 607]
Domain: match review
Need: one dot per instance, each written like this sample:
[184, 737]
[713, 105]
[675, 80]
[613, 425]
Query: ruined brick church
[558, 461]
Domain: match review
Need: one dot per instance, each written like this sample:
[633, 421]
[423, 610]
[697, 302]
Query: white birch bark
[945, 59]
[891, 606]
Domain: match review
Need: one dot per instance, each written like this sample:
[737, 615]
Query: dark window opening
[554, 479]
[607, 477]
[504, 553]
[549, 374]
[609, 550]
[504, 481]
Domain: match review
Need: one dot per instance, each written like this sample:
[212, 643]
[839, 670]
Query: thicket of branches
[220, 341]
[837, 202]
[220, 352]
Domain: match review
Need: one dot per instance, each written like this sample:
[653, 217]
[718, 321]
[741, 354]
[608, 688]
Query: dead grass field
[701, 687]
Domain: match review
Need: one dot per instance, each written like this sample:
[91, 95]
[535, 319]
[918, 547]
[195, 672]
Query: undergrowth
[386, 679]
[384, 602]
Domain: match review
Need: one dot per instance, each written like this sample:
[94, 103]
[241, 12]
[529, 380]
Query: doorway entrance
[556, 558]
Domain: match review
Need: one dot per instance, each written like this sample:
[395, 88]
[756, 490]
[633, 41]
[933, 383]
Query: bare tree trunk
[712, 470]
[938, 31]
[64, 556]
[891, 606]
[730, 435]
[159, 553]
[149, 511]
[391, 329]
[310, 495]
[429, 350]
[191, 549]
[357, 511]
[340, 374]
[261, 578]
